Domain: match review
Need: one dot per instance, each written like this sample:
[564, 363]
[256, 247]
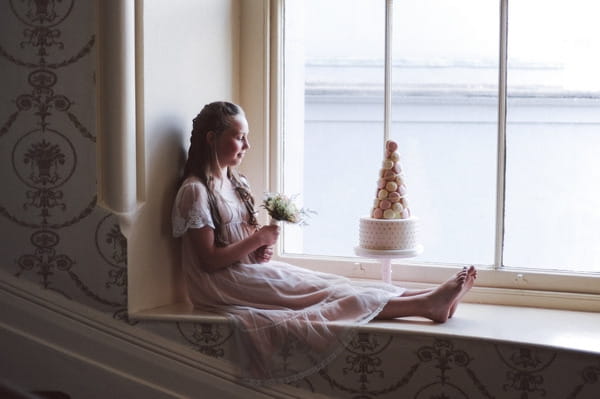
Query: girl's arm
[214, 258]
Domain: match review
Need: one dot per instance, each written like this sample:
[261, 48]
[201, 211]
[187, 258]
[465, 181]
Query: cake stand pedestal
[386, 256]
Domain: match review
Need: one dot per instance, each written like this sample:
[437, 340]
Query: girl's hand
[263, 254]
[268, 235]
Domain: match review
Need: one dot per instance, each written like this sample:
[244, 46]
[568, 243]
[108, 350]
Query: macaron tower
[390, 201]
[390, 229]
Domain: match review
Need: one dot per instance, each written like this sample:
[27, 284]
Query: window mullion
[501, 150]
[387, 111]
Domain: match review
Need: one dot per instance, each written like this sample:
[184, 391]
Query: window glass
[444, 118]
[445, 74]
[333, 117]
[553, 136]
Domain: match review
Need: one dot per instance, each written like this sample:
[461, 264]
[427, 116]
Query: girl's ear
[210, 137]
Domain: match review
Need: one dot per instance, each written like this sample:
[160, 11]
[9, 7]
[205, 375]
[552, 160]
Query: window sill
[558, 329]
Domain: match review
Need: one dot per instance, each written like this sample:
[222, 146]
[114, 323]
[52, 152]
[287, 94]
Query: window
[498, 146]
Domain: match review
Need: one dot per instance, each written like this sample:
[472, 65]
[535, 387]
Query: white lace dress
[288, 321]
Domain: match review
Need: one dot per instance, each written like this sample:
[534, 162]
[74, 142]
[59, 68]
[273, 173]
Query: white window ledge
[560, 329]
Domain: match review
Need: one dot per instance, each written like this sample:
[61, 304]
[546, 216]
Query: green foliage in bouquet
[282, 208]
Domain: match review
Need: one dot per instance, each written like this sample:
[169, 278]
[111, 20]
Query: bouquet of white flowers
[281, 208]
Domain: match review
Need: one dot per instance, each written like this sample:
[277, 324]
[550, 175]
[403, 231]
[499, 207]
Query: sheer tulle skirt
[289, 322]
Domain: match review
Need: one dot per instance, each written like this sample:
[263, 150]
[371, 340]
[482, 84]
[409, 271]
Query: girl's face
[232, 143]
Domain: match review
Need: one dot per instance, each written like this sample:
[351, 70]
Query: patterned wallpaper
[54, 234]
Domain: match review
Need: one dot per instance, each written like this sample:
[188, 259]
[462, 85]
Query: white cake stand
[386, 257]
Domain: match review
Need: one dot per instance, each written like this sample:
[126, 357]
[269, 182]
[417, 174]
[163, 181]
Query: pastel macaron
[391, 146]
[377, 213]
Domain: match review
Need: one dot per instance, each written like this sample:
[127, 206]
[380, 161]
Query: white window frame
[496, 285]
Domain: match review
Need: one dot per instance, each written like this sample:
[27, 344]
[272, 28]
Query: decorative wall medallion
[110, 242]
[445, 358]
[112, 247]
[41, 13]
[117, 278]
[44, 259]
[526, 365]
[364, 358]
[364, 364]
[442, 352]
[44, 159]
[42, 98]
[42, 80]
[206, 338]
[40, 17]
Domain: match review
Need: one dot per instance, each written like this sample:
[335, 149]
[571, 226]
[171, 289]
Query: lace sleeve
[190, 209]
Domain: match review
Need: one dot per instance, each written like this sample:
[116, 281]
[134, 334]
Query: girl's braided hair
[202, 158]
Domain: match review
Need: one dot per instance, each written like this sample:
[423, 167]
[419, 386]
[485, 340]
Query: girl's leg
[471, 274]
[433, 304]
[409, 292]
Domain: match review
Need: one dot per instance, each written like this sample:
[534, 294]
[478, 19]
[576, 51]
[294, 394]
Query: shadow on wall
[166, 168]
[168, 156]
[154, 256]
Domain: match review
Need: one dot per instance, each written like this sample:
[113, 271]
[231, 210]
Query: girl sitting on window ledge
[288, 321]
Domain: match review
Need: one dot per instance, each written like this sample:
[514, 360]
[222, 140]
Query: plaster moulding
[120, 168]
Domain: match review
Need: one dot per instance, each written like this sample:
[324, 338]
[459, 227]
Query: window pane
[553, 136]
[445, 120]
[333, 117]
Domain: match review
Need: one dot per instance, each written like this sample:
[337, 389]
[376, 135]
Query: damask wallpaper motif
[54, 234]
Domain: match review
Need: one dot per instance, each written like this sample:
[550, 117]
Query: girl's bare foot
[470, 281]
[444, 297]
